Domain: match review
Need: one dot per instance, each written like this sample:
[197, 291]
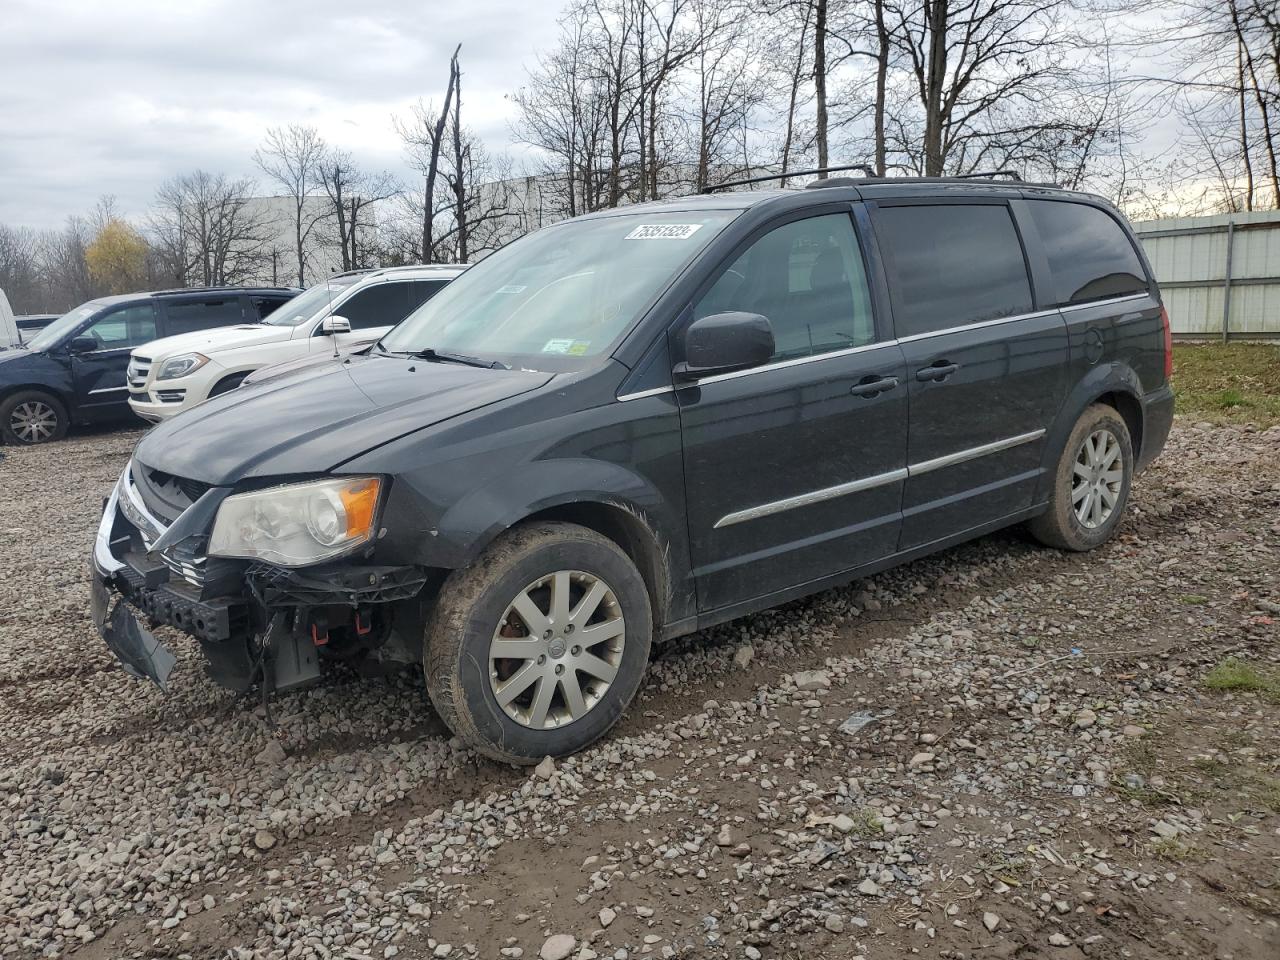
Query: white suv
[168, 376]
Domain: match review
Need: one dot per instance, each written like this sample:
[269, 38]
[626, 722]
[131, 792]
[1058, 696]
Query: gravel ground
[1000, 751]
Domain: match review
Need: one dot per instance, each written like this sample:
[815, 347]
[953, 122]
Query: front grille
[164, 494]
[136, 375]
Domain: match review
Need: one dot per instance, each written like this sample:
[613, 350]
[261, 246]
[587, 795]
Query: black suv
[73, 370]
[642, 422]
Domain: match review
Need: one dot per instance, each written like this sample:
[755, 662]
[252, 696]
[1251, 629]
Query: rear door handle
[938, 371]
[871, 388]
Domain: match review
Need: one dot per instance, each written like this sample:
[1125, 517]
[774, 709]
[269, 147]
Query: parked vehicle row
[642, 422]
[176, 373]
[73, 370]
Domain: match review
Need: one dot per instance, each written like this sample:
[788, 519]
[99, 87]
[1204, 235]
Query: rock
[813, 680]
[725, 837]
[920, 759]
[752, 953]
[443, 949]
[1085, 719]
[834, 923]
[607, 916]
[1164, 828]
[1133, 730]
[743, 655]
[1059, 940]
[991, 921]
[272, 755]
[545, 769]
[557, 947]
[869, 887]
[844, 823]
[264, 840]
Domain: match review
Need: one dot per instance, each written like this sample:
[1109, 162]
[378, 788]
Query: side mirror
[335, 324]
[82, 345]
[724, 342]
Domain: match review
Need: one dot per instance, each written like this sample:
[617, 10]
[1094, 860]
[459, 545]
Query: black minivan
[641, 422]
[73, 370]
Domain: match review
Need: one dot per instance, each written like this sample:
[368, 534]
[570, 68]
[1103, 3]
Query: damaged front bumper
[255, 622]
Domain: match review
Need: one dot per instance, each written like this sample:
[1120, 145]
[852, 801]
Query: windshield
[304, 305]
[568, 291]
[57, 330]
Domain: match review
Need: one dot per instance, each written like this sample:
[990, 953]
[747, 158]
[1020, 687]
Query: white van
[8, 326]
[168, 376]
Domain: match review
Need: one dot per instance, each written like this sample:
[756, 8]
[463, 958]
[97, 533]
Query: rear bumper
[1157, 420]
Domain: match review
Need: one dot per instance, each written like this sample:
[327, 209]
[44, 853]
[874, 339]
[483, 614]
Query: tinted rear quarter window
[381, 305]
[265, 304]
[1090, 256]
[186, 316]
[952, 264]
[420, 291]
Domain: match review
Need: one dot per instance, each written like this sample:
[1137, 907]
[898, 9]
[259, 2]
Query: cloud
[113, 98]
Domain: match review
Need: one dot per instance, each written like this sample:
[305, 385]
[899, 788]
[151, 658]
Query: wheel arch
[616, 503]
[1118, 387]
[62, 396]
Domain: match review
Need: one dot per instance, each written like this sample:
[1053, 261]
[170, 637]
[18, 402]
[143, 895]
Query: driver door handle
[937, 372]
[871, 388]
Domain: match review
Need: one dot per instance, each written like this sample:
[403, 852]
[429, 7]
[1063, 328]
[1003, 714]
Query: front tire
[1090, 485]
[32, 416]
[537, 648]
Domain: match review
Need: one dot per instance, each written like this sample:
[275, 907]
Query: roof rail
[862, 167]
[991, 175]
[220, 288]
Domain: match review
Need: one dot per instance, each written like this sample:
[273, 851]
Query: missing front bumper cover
[142, 655]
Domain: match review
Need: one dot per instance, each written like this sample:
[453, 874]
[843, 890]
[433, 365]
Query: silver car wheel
[33, 421]
[557, 649]
[1097, 478]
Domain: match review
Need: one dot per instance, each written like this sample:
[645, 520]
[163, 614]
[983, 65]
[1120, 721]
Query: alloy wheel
[33, 421]
[557, 649]
[1096, 478]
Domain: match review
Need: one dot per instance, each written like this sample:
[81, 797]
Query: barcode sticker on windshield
[664, 231]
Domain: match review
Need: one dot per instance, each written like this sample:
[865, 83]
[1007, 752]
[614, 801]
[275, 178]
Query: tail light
[1168, 342]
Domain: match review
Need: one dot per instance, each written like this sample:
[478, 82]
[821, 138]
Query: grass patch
[1171, 848]
[1228, 382]
[1267, 793]
[867, 823]
[1232, 675]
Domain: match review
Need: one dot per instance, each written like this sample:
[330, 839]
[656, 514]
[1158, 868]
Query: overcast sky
[114, 96]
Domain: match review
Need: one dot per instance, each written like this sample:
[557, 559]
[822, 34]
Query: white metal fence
[1220, 275]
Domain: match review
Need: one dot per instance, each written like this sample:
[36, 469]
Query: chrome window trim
[657, 391]
[973, 453]
[1071, 307]
[977, 325]
[813, 496]
[876, 480]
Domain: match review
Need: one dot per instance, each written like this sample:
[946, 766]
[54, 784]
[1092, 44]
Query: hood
[215, 340]
[8, 355]
[319, 418]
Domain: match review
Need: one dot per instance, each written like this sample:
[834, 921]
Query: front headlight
[181, 365]
[299, 524]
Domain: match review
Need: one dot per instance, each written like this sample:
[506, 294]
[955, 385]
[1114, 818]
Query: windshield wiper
[439, 356]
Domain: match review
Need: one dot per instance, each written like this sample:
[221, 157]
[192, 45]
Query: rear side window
[1090, 256]
[952, 264]
[807, 278]
[381, 305]
[186, 316]
[264, 306]
[420, 291]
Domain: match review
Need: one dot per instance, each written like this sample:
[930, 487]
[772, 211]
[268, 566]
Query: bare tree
[291, 157]
[209, 229]
[352, 193]
[424, 139]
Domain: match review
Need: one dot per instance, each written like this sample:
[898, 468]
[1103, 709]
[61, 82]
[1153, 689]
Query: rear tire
[32, 416]
[537, 648]
[1090, 485]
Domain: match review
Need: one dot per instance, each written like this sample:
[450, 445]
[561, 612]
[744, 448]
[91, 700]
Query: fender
[566, 486]
[1107, 378]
